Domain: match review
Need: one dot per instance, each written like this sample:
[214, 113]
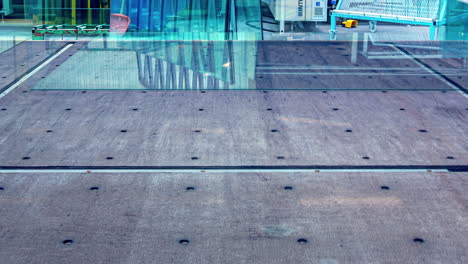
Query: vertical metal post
[282, 16]
[261, 19]
[332, 27]
[90, 14]
[73, 6]
[227, 19]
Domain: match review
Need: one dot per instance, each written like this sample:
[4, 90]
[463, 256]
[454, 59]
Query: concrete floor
[375, 169]
[234, 217]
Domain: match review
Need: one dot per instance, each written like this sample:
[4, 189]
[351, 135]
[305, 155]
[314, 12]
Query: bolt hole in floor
[184, 242]
[67, 242]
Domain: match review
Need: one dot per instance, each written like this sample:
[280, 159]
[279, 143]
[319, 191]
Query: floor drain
[302, 241]
[402, 109]
[349, 130]
[190, 188]
[110, 158]
[418, 240]
[2, 188]
[365, 157]
[68, 109]
[383, 187]
[197, 131]
[94, 188]
[288, 188]
[324, 91]
[26, 158]
[123, 131]
[269, 109]
[450, 157]
[335, 109]
[184, 241]
[194, 158]
[422, 130]
[203, 91]
[280, 157]
[4, 109]
[274, 130]
[201, 109]
[49, 131]
[135, 109]
[67, 242]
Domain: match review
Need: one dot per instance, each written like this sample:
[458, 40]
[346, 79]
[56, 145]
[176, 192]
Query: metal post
[282, 16]
[332, 27]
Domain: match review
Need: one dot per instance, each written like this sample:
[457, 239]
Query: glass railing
[152, 63]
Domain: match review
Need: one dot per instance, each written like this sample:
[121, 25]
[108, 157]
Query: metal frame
[40, 31]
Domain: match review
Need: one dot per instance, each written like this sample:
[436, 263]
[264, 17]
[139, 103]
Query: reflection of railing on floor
[176, 68]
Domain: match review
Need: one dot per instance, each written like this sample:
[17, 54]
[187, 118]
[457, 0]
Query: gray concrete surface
[234, 218]
[395, 119]
[241, 217]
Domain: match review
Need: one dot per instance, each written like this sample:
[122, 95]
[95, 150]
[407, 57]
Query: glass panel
[457, 22]
[273, 65]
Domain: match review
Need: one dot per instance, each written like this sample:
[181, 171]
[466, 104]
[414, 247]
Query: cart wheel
[332, 35]
[372, 26]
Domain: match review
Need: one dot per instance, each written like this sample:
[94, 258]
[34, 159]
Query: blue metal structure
[177, 15]
[431, 13]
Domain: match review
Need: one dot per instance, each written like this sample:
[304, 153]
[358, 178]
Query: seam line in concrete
[25, 77]
[198, 169]
[434, 72]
